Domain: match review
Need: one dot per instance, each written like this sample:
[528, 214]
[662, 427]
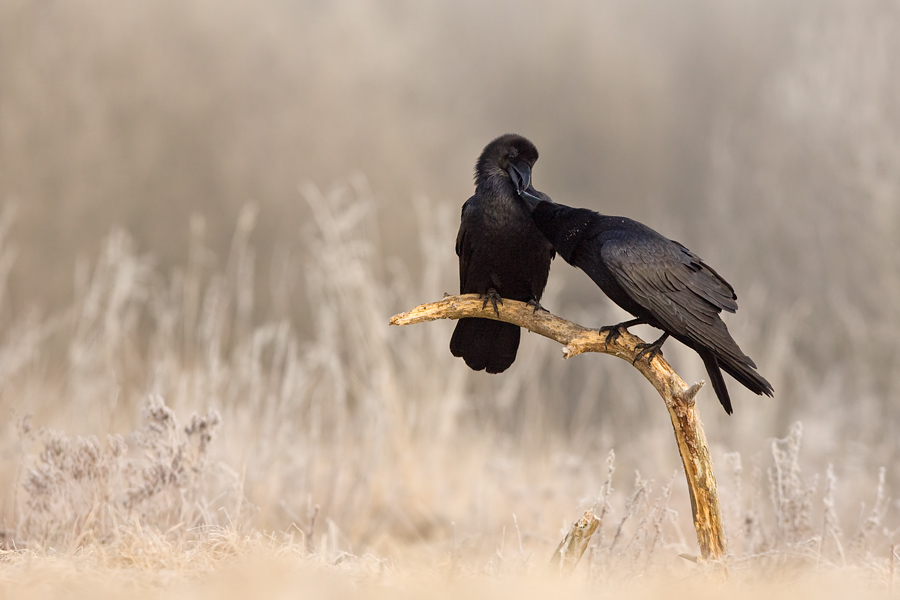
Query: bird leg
[494, 298]
[537, 305]
[614, 331]
[650, 350]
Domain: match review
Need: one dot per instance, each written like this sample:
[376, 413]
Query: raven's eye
[512, 153]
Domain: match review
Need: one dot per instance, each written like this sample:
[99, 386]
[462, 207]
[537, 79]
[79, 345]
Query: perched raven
[501, 252]
[659, 281]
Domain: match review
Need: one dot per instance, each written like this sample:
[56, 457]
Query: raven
[658, 280]
[501, 252]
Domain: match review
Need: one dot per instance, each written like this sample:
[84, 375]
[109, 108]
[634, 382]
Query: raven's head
[509, 158]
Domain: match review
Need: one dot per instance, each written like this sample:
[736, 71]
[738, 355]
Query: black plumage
[501, 252]
[658, 280]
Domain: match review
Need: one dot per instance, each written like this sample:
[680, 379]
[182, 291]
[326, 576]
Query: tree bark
[678, 396]
[575, 542]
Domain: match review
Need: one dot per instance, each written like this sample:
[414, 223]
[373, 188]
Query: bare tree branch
[678, 396]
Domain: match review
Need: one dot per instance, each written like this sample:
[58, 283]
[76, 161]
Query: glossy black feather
[655, 279]
[500, 249]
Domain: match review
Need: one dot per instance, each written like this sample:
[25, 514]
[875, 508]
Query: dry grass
[259, 570]
[215, 406]
[358, 460]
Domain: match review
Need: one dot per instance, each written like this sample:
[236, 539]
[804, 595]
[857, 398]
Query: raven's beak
[520, 173]
[532, 197]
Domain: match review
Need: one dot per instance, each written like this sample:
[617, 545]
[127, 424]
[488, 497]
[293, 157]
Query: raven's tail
[485, 344]
[742, 370]
[715, 376]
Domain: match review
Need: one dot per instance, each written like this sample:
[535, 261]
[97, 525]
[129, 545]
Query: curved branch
[678, 396]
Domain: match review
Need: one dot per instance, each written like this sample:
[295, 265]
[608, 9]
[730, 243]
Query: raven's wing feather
[675, 286]
[706, 282]
[463, 245]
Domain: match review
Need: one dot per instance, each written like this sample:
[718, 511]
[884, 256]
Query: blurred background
[257, 149]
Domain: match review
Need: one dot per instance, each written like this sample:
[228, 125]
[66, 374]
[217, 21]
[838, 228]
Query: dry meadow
[209, 212]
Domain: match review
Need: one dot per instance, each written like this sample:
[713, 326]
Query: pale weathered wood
[678, 397]
[575, 542]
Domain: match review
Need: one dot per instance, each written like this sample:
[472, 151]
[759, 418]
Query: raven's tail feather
[747, 376]
[715, 377]
[485, 344]
[742, 371]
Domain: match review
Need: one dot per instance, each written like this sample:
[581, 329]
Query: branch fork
[677, 395]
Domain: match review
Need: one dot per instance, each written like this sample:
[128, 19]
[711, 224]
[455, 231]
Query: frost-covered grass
[174, 441]
[184, 421]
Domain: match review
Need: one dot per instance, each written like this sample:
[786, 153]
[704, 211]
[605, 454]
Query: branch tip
[687, 396]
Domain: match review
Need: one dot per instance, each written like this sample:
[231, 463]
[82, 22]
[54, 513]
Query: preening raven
[501, 252]
[659, 281]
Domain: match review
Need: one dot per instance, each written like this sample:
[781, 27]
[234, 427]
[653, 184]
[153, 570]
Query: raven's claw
[494, 298]
[650, 350]
[613, 332]
[537, 305]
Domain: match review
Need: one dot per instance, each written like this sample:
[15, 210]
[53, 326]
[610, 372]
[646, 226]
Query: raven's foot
[494, 298]
[613, 332]
[537, 305]
[651, 350]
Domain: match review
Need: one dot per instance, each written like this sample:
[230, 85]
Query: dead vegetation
[84, 490]
[213, 405]
[355, 462]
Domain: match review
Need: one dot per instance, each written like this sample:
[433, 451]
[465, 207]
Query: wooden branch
[677, 395]
[573, 545]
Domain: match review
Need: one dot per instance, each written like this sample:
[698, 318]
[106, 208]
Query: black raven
[659, 281]
[501, 252]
